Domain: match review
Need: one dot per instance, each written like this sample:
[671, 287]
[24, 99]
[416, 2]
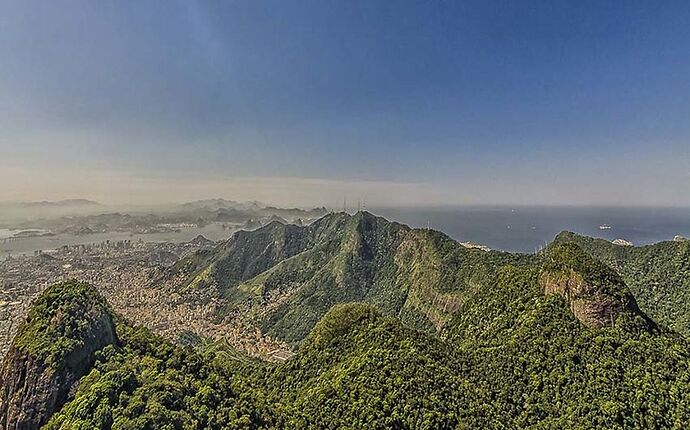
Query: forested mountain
[658, 275]
[403, 329]
[56, 346]
[287, 277]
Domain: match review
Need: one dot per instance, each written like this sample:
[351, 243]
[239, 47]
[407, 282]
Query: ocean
[522, 228]
[515, 229]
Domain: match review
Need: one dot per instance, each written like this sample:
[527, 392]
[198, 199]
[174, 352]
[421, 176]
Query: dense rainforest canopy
[401, 329]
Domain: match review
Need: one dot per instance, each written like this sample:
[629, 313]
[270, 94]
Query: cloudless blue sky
[528, 102]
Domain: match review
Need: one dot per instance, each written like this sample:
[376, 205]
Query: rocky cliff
[596, 294]
[55, 347]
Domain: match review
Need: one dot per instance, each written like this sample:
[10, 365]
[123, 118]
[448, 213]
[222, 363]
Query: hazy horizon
[304, 104]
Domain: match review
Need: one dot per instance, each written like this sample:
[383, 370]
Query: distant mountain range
[393, 327]
[62, 203]
[83, 217]
[213, 204]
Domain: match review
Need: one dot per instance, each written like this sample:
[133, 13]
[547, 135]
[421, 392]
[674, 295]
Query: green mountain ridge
[513, 358]
[284, 278]
[290, 276]
[402, 329]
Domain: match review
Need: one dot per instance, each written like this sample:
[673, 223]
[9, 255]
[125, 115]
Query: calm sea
[517, 229]
[521, 229]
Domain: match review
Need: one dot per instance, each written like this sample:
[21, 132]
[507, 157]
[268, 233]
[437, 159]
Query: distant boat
[604, 227]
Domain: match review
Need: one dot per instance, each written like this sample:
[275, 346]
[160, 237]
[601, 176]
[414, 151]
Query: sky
[309, 102]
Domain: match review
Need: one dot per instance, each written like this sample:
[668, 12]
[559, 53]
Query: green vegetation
[62, 321]
[512, 358]
[395, 329]
[359, 369]
[289, 277]
[570, 257]
[658, 275]
[536, 366]
[149, 383]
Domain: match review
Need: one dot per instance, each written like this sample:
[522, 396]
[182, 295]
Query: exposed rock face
[53, 349]
[596, 294]
[587, 302]
[28, 395]
[622, 242]
[472, 245]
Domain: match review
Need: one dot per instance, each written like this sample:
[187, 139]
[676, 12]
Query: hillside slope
[284, 278]
[512, 357]
[394, 328]
[53, 349]
[535, 365]
[658, 275]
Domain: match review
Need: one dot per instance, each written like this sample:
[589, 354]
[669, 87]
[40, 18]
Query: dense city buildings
[132, 276]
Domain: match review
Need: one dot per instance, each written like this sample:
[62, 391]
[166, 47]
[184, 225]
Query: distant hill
[658, 275]
[59, 217]
[255, 208]
[62, 203]
[214, 204]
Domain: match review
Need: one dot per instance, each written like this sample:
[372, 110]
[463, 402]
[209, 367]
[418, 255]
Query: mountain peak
[55, 347]
[596, 293]
[339, 320]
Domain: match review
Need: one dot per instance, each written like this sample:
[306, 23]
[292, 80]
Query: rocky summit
[53, 349]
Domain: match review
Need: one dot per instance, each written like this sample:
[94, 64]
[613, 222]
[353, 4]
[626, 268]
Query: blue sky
[461, 102]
